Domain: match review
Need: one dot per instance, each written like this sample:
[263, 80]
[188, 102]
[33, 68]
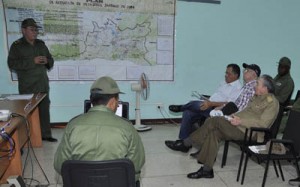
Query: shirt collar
[236, 82]
[102, 108]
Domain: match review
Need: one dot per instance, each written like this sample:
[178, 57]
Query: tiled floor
[164, 167]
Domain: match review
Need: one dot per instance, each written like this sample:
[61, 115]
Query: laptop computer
[122, 110]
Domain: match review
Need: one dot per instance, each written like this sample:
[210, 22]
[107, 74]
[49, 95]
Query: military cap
[29, 22]
[105, 85]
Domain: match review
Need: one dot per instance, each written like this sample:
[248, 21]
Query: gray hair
[268, 82]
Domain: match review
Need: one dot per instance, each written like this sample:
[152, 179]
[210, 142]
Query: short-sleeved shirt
[284, 86]
[227, 92]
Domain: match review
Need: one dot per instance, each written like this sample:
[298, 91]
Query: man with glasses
[284, 84]
[30, 58]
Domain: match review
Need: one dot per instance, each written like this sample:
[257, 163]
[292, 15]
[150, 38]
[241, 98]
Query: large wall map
[92, 38]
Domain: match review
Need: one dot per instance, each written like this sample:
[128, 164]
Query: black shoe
[194, 155]
[50, 139]
[201, 174]
[295, 182]
[175, 108]
[177, 145]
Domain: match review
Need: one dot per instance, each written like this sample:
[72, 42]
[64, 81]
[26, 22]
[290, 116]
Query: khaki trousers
[208, 136]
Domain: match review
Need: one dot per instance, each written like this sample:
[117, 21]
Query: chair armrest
[258, 129]
[284, 141]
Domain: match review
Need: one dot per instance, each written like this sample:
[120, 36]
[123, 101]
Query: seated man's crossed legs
[207, 139]
[191, 114]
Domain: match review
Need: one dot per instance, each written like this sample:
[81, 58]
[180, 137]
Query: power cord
[6, 137]
[161, 110]
[30, 148]
[10, 151]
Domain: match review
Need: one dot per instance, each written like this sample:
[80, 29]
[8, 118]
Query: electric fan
[141, 88]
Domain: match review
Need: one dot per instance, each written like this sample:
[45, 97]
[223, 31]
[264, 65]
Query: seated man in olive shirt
[284, 84]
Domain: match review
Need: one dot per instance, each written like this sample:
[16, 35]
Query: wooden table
[18, 130]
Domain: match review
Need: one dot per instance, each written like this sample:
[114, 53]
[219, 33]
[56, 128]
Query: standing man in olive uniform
[30, 58]
[260, 112]
[284, 84]
[100, 134]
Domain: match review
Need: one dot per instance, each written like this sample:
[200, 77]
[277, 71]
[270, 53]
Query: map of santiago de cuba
[93, 38]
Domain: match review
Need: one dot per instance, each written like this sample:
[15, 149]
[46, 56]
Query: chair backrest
[288, 100]
[292, 129]
[110, 173]
[276, 124]
[297, 95]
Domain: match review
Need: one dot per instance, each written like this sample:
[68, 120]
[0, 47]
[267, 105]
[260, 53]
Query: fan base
[142, 128]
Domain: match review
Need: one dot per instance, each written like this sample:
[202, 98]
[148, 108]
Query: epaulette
[17, 41]
[269, 99]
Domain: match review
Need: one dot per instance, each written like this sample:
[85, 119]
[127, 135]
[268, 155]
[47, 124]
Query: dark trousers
[44, 114]
[191, 114]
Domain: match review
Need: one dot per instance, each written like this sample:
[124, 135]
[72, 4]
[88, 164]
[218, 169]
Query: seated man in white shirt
[227, 91]
[250, 75]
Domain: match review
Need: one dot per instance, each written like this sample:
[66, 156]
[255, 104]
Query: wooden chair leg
[224, 158]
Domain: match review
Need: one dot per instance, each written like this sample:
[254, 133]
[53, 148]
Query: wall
[208, 37]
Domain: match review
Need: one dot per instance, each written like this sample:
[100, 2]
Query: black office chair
[288, 100]
[288, 104]
[272, 133]
[290, 139]
[109, 173]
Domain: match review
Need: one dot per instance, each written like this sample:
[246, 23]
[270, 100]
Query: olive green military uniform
[296, 105]
[284, 86]
[33, 77]
[100, 135]
[260, 112]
